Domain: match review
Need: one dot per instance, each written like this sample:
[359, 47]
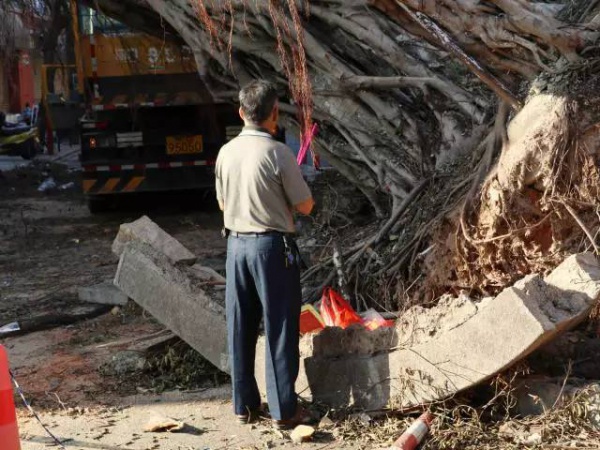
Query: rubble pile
[429, 355]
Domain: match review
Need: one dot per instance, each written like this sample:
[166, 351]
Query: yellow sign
[134, 54]
[184, 145]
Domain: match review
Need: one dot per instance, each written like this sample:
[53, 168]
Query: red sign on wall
[26, 88]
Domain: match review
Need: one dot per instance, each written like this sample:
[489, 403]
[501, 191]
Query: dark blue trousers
[260, 286]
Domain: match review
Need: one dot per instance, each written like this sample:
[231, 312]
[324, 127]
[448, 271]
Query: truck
[150, 123]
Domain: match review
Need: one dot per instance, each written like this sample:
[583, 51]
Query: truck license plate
[184, 145]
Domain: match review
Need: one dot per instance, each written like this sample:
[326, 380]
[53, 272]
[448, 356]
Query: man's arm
[296, 189]
[305, 207]
[218, 187]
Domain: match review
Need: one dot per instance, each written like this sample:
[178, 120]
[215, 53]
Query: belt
[288, 239]
[259, 234]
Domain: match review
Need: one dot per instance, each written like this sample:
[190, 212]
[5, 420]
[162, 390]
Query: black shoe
[302, 417]
[250, 417]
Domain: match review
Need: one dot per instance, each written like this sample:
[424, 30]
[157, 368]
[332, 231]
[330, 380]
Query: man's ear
[275, 113]
[242, 115]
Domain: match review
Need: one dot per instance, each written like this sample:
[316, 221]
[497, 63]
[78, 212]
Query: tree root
[582, 225]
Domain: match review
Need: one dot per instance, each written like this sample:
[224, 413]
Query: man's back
[258, 182]
[258, 186]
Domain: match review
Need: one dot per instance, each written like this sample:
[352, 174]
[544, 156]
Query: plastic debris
[373, 320]
[9, 328]
[336, 311]
[64, 187]
[47, 185]
[310, 320]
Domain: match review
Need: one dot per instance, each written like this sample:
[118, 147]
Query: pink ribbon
[306, 141]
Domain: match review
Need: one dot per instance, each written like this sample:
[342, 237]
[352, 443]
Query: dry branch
[447, 42]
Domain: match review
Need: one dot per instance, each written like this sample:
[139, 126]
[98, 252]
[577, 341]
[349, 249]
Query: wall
[4, 101]
[26, 76]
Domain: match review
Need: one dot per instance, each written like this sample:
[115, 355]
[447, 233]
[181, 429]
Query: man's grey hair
[257, 100]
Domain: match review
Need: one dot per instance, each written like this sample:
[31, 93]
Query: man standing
[259, 186]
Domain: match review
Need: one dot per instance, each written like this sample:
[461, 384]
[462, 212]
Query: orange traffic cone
[9, 432]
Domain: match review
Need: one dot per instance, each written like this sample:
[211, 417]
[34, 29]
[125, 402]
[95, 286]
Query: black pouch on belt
[291, 243]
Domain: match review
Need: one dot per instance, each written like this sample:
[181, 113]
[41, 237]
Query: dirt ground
[207, 418]
[49, 247]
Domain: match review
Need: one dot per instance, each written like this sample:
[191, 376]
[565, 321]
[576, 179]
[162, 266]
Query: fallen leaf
[325, 423]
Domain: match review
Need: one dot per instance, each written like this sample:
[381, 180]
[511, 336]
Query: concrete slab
[207, 274]
[399, 367]
[105, 293]
[175, 299]
[505, 330]
[145, 230]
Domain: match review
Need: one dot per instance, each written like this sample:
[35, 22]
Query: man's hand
[305, 207]
[221, 205]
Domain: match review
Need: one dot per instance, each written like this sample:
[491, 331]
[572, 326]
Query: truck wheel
[97, 205]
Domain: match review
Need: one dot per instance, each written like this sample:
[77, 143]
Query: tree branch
[446, 41]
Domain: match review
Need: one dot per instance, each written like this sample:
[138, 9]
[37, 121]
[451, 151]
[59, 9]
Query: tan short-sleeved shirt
[259, 182]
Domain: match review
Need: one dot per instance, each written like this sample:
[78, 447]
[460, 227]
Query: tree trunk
[413, 98]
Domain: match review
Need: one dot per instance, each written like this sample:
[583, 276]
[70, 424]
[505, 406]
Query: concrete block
[105, 293]
[571, 288]
[207, 274]
[148, 277]
[145, 230]
[421, 324]
[503, 331]
[387, 367]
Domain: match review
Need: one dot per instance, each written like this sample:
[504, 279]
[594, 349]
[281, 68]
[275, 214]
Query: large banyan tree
[471, 126]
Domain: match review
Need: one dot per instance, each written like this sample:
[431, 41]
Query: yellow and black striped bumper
[169, 176]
